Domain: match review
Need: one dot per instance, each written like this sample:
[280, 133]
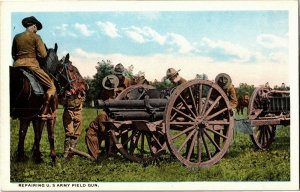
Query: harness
[74, 82]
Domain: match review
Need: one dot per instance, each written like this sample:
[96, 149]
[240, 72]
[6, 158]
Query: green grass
[241, 163]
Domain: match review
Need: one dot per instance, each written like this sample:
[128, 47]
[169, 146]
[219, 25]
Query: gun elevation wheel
[199, 123]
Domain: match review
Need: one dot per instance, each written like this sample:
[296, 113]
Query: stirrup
[45, 116]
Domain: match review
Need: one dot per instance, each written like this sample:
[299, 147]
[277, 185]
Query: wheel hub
[199, 123]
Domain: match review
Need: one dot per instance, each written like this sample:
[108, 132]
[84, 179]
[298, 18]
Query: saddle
[35, 84]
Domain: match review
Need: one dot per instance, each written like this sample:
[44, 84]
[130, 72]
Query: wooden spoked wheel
[264, 135]
[139, 141]
[198, 123]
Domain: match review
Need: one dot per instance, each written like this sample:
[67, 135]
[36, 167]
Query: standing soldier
[224, 81]
[26, 48]
[73, 99]
[96, 132]
[174, 77]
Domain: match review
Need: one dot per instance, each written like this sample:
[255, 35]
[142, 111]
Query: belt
[26, 55]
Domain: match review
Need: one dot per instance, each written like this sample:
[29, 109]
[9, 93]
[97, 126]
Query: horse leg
[38, 130]
[22, 134]
[50, 129]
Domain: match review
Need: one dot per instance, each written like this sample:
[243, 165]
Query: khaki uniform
[72, 116]
[27, 46]
[181, 81]
[230, 92]
[96, 132]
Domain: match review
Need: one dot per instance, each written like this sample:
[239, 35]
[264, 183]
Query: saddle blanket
[35, 84]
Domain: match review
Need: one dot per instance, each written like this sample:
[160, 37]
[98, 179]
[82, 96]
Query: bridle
[62, 72]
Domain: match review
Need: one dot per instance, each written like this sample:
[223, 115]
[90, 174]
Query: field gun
[267, 109]
[194, 121]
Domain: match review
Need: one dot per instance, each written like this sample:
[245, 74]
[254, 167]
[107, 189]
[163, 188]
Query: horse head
[69, 77]
[52, 61]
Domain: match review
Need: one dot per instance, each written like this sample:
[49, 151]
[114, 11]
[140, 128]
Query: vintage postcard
[149, 95]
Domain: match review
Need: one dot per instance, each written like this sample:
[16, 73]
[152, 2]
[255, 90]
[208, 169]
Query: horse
[69, 79]
[243, 101]
[26, 105]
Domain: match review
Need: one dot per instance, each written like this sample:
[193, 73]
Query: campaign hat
[28, 21]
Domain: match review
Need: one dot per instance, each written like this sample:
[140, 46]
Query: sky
[250, 45]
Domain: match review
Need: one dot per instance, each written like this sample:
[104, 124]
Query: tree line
[105, 67]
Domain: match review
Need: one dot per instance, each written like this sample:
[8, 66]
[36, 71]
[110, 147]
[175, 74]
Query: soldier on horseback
[27, 47]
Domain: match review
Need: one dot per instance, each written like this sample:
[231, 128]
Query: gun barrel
[133, 104]
[137, 115]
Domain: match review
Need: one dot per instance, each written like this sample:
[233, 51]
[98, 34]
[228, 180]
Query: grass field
[241, 163]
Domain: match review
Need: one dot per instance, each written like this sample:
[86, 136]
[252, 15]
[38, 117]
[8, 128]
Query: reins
[66, 77]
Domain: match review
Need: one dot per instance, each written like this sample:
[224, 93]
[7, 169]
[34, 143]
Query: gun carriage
[194, 121]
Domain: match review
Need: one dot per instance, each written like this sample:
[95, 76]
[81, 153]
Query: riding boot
[73, 142]
[67, 146]
[45, 111]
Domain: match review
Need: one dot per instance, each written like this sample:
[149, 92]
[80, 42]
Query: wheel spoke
[183, 132]
[174, 115]
[191, 149]
[199, 146]
[187, 106]
[261, 133]
[134, 142]
[186, 140]
[217, 122]
[206, 101]
[148, 137]
[218, 133]
[157, 140]
[200, 100]
[266, 135]
[181, 123]
[142, 144]
[269, 131]
[185, 115]
[212, 106]
[211, 140]
[129, 138]
[205, 145]
[193, 100]
[216, 114]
